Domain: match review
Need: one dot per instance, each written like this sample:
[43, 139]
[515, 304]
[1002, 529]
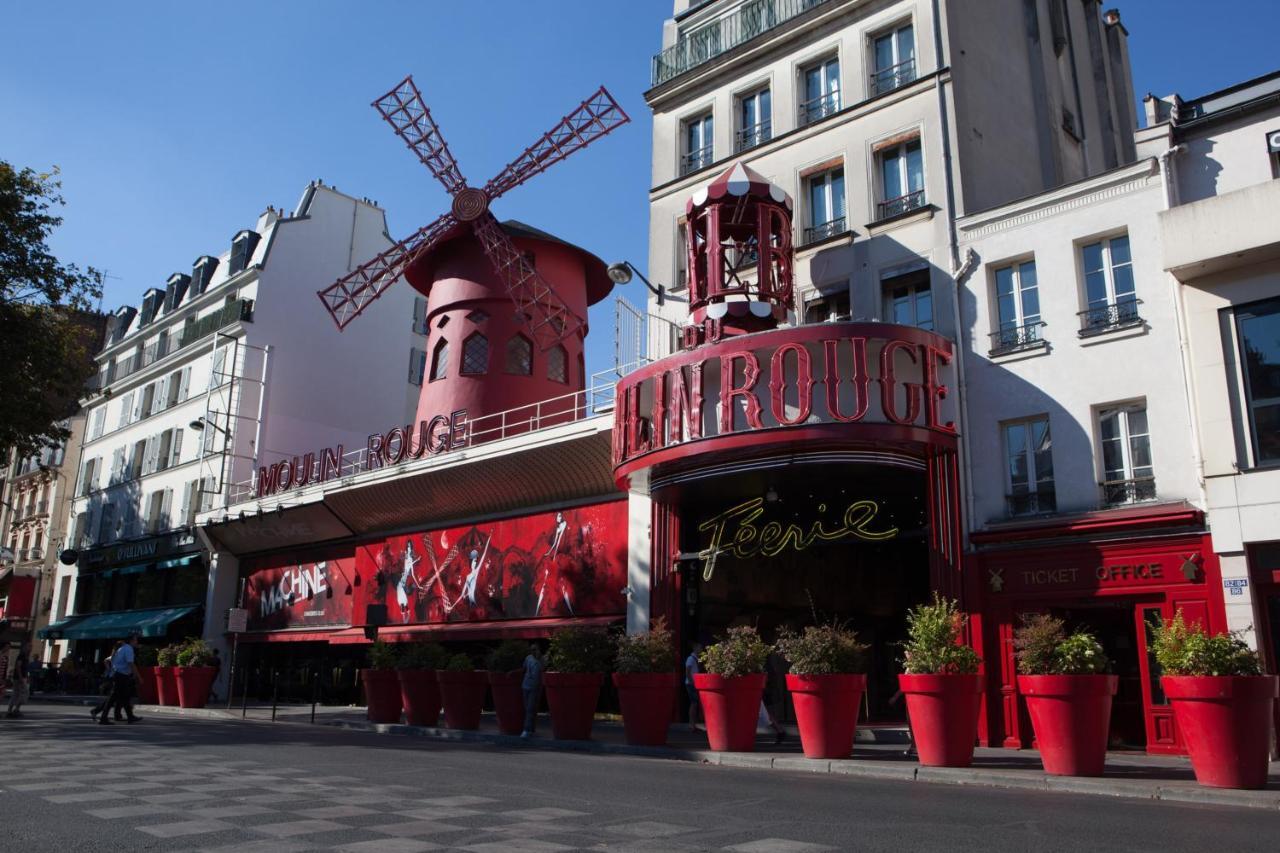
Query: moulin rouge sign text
[398, 444]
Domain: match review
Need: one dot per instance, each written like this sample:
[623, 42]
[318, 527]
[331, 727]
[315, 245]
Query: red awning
[288, 636]
[513, 629]
[348, 636]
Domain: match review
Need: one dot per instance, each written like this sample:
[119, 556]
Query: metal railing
[1131, 491]
[892, 207]
[893, 77]
[817, 233]
[749, 137]
[695, 160]
[1039, 502]
[1014, 338]
[738, 26]
[1113, 315]
[30, 554]
[819, 108]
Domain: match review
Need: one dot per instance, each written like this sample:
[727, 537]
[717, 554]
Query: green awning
[135, 569]
[54, 630]
[153, 622]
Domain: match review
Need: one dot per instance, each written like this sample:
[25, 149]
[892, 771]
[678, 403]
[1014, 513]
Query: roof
[1241, 97]
[738, 180]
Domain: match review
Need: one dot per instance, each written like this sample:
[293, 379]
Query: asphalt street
[185, 784]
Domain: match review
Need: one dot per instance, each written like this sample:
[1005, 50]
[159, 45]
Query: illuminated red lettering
[268, 481]
[331, 463]
[933, 392]
[686, 403]
[888, 381]
[778, 384]
[394, 453]
[860, 378]
[730, 390]
[374, 459]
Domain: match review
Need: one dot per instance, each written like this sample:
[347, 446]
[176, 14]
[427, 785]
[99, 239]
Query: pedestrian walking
[21, 681]
[775, 695]
[532, 687]
[108, 687]
[216, 663]
[124, 677]
[692, 668]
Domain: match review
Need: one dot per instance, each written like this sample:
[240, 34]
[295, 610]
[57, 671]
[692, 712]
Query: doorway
[1112, 623]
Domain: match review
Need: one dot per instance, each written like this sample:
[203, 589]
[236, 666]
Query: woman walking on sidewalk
[21, 681]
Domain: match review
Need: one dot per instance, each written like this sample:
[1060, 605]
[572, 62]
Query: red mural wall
[301, 589]
[566, 563]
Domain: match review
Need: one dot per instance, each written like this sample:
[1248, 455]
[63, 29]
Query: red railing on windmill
[506, 303]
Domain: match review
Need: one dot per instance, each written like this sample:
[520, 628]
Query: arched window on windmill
[558, 364]
[440, 360]
[519, 355]
[475, 355]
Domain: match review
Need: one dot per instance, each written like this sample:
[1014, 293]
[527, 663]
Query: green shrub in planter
[508, 656]
[739, 652]
[650, 651]
[146, 655]
[195, 652]
[1183, 649]
[1042, 647]
[933, 645]
[823, 650]
[581, 650]
[419, 656]
[382, 656]
[460, 663]
[168, 656]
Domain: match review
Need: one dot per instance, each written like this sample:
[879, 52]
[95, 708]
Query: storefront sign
[1108, 574]
[291, 592]
[155, 547]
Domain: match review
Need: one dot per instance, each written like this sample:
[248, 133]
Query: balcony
[749, 137]
[1100, 319]
[818, 233]
[819, 108]
[695, 160]
[1040, 502]
[1131, 491]
[738, 27]
[893, 77]
[1011, 339]
[889, 208]
[30, 555]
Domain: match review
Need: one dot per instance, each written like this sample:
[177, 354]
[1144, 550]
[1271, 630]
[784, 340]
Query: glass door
[1162, 734]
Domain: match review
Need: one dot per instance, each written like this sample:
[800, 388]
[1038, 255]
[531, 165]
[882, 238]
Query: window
[682, 255]
[1017, 309]
[1258, 328]
[755, 120]
[557, 364]
[477, 316]
[126, 410]
[79, 533]
[1110, 302]
[697, 144]
[440, 360]
[475, 355]
[519, 356]
[107, 524]
[202, 274]
[88, 477]
[99, 420]
[826, 206]
[419, 316]
[179, 384]
[242, 246]
[417, 366]
[148, 400]
[901, 179]
[821, 96]
[908, 300]
[117, 466]
[893, 57]
[1029, 467]
[1127, 475]
[824, 307]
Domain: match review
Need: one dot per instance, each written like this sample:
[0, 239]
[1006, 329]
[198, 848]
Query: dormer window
[124, 316]
[176, 290]
[202, 274]
[151, 303]
[242, 247]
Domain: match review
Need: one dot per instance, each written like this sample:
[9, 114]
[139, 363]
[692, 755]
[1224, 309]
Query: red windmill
[546, 315]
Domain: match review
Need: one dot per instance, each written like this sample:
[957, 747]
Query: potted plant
[827, 680]
[941, 684]
[579, 659]
[381, 685]
[462, 690]
[166, 678]
[1068, 694]
[145, 659]
[730, 687]
[1221, 702]
[194, 673]
[506, 675]
[416, 665]
[645, 675]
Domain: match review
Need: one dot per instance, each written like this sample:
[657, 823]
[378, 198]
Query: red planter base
[463, 696]
[420, 695]
[1071, 717]
[194, 683]
[1225, 721]
[167, 686]
[572, 697]
[147, 692]
[382, 694]
[827, 712]
[731, 707]
[944, 716]
[648, 700]
[508, 701]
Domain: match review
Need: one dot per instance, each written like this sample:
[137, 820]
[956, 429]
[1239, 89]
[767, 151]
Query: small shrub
[168, 656]
[651, 651]
[933, 645]
[581, 650]
[739, 652]
[823, 650]
[195, 652]
[460, 663]
[420, 656]
[382, 656]
[145, 655]
[1042, 647]
[508, 656]
[1183, 649]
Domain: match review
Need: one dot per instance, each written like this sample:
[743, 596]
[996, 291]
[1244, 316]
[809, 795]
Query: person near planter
[531, 686]
[216, 663]
[775, 693]
[124, 675]
[21, 682]
[691, 669]
[107, 671]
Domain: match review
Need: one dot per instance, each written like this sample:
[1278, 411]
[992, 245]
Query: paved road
[182, 784]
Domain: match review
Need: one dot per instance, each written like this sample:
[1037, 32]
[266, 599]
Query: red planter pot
[166, 685]
[463, 697]
[420, 695]
[147, 691]
[944, 716]
[572, 697]
[508, 701]
[1071, 716]
[382, 695]
[827, 712]
[647, 699]
[731, 708]
[194, 683]
[1225, 722]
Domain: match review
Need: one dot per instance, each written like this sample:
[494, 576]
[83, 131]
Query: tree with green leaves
[47, 333]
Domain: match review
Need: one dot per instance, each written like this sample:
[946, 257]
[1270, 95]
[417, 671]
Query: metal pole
[244, 695]
[275, 692]
[315, 690]
[231, 676]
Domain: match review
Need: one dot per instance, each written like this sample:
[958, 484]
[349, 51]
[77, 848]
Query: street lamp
[200, 423]
[620, 273]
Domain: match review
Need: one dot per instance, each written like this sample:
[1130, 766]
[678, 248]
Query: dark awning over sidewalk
[153, 622]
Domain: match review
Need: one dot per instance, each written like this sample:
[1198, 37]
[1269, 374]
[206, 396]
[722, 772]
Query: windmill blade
[547, 317]
[405, 110]
[347, 297]
[595, 117]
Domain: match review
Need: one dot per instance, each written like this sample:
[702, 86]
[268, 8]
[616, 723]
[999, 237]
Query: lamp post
[620, 273]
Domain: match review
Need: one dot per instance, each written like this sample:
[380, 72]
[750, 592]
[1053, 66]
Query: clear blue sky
[175, 124]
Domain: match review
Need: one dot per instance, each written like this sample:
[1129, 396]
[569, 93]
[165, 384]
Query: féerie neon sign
[734, 532]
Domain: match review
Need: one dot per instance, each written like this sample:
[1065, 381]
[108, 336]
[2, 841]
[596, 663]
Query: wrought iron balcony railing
[695, 160]
[819, 108]
[738, 27]
[1120, 314]
[892, 207]
[750, 137]
[1016, 338]
[1131, 491]
[1043, 500]
[827, 229]
[893, 77]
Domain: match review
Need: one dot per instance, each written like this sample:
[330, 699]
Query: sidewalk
[1129, 774]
